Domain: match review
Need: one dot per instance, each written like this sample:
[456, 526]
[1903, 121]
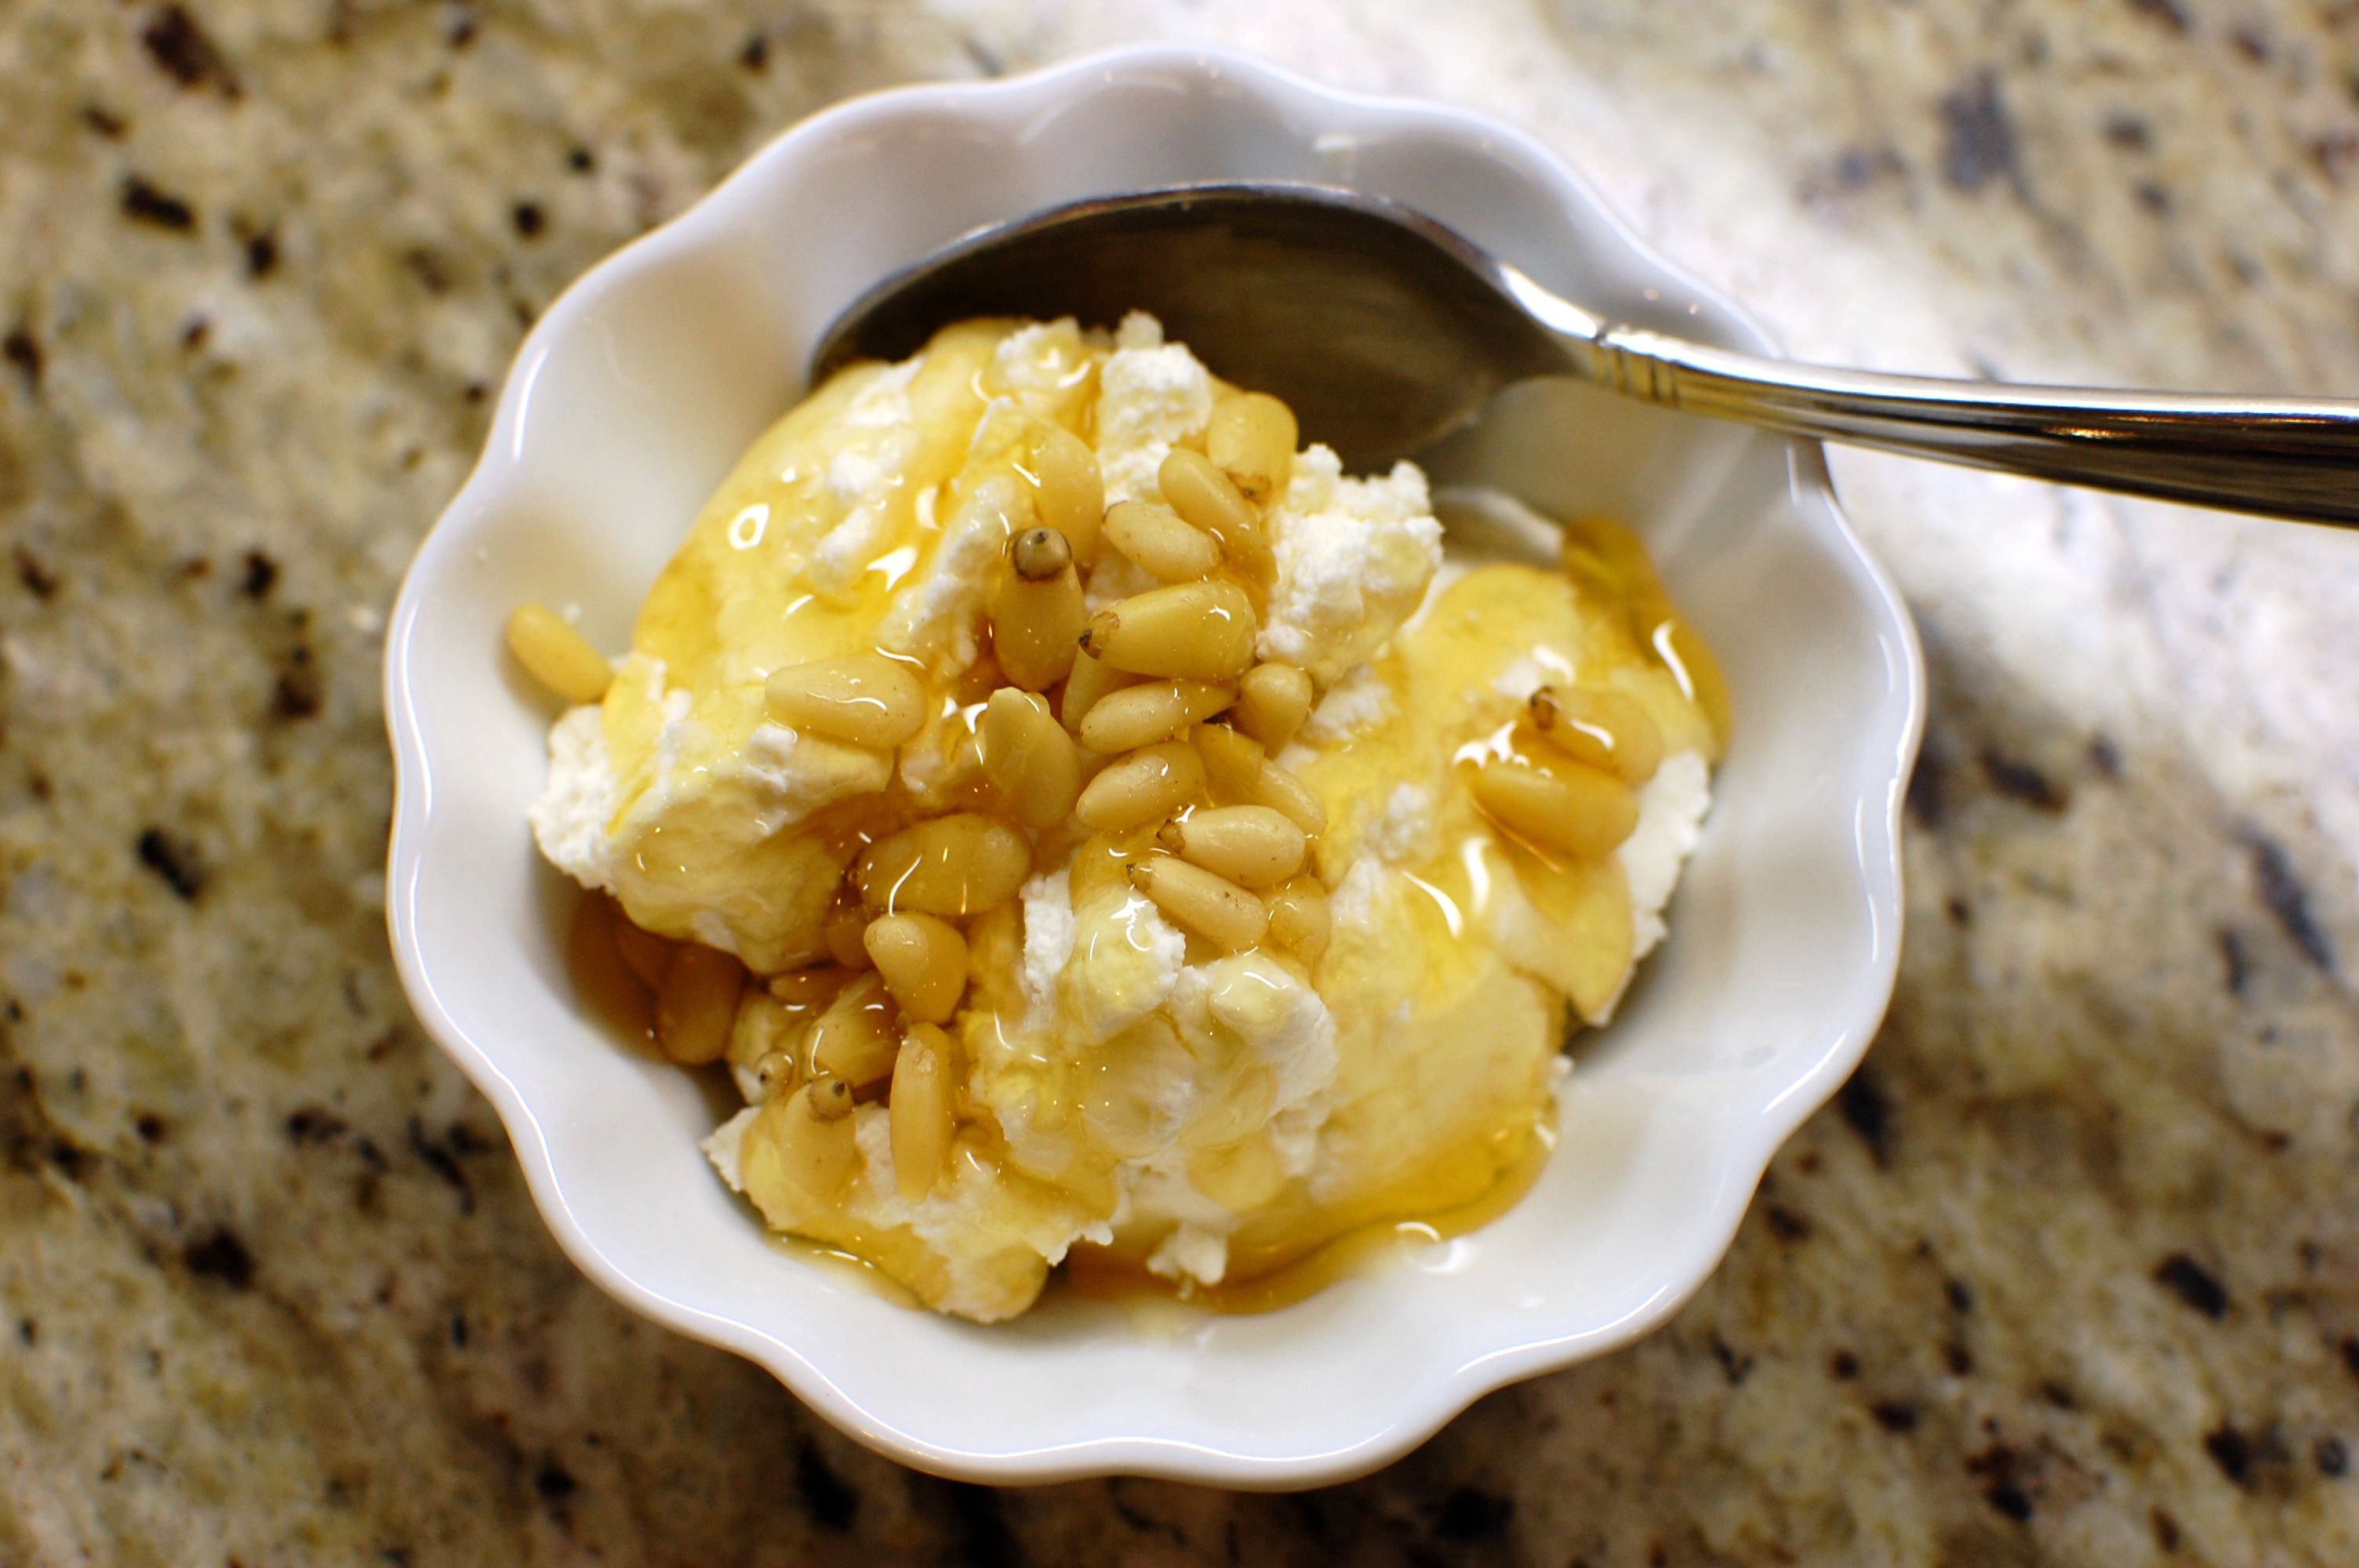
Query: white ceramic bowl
[634, 393]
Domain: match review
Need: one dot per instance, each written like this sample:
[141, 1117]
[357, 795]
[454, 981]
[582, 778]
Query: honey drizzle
[1097, 1273]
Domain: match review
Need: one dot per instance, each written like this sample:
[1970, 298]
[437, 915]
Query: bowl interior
[633, 397]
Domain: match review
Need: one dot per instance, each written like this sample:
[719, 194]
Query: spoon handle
[2295, 458]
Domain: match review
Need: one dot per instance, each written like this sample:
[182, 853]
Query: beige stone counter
[2072, 1271]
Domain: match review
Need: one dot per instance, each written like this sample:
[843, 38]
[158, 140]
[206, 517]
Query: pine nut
[1156, 710]
[950, 866]
[1162, 543]
[1211, 906]
[921, 1110]
[922, 962]
[1605, 728]
[865, 699]
[645, 953]
[1573, 810]
[842, 935]
[1029, 758]
[1253, 846]
[1273, 700]
[1240, 774]
[557, 655]
[1090, 680]
[795, 1159]
[774, 1074]
[1036, 610]
[696, 1006]
[1298, 917]
[1252, 438]
[854, 1039]
[1069, 491]
[1233, 763]
[761, 1028]
[830, 1099]
[1200, 493]
[1203, 630]
[1281, 791]
[1152, 782]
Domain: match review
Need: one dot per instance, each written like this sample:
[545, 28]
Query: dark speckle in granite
[831, 1503]
[219, 1255]
[2287, 896]
[174, 860]
[183, 52]
[1868, 1112]
[148, 204]
[1470, 1514]
[2020, 781]
[2192, 1284]
[24, 351]
[1978, 139]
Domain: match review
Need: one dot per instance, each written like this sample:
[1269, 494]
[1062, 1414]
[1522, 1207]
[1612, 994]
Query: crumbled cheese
[1361, 700]
[1671, 807]
[1151, 398]
[569, 821]
[1124, 961]
[1354, 558]
[1048, 939]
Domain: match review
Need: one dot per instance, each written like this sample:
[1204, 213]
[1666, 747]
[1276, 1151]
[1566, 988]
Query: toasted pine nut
[1233, 763]
[1240, 774]
[921, 1110]
[1152, 782]
[922, 962]
[1253, 846]
[1299, 918]
[1211, 906]
[1605, 728]
[950, 866]
[1252, 438]
[1160, 541]
[830, 1099]
[764, 1025]
[774, 1073]
[1090, 680]
[1279, 789]
[1029, 758]
[645, 953]
[1070, 492]
[1573, 810]
[1039, 553]
[842, 936]
[1273, 700]
[1036, 610]
[1195, 488]
[854, 1039]
[795, 1157]
[865, 699]
[697, 1004]
[557, 655]
[1203, 630]
[1155, 710]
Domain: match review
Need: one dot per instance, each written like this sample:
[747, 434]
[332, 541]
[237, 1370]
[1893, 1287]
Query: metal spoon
[1385, 332]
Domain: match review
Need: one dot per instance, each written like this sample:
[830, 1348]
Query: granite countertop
[2070, 1271]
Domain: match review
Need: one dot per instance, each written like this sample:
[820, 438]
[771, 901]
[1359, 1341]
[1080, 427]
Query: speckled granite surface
[2069, 1274]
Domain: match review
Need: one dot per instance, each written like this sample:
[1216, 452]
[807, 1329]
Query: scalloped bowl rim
[996, 106]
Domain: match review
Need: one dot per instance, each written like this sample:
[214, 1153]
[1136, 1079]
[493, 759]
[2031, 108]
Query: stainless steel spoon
[1385, 332]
